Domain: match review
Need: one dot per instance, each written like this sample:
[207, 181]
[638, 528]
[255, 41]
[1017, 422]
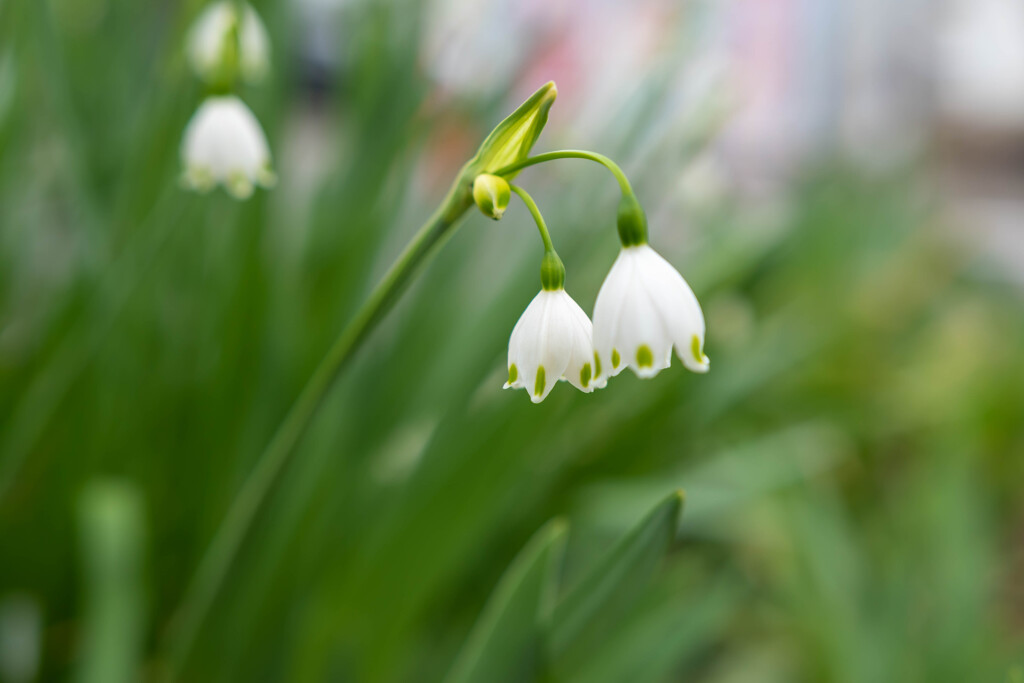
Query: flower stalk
[510, 141]
[552, 270]
[631, 219]
[220, 556]
[620, 176]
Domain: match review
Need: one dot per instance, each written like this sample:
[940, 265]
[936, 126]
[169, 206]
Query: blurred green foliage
[853, 462]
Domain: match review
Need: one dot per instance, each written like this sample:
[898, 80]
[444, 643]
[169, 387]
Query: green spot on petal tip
[513, 373]
[615, 358]
[585, 375]
[644, 356]
[698, 354]
[538, 386]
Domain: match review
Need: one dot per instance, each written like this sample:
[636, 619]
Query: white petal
[607, 311]
[678, 308]
[552, 346]
[526, 328]
[205, 39]
[224, 143]
[526, 345]
[254, 42]
[587, 358]
[214, 26]
[580, 370]
[641, 337]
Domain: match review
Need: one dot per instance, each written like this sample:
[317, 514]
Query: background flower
[210, 36]
[223, 143]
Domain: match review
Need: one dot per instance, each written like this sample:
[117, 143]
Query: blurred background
[842, 183]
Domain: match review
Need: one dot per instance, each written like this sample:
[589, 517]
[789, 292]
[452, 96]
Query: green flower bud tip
[514, 137]
[491, 194]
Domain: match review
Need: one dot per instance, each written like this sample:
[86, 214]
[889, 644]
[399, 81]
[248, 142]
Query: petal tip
[697, 361]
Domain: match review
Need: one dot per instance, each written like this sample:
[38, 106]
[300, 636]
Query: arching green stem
[552, 270]
[623, 181]
[535, 212]
[631, 219]
[222, 552]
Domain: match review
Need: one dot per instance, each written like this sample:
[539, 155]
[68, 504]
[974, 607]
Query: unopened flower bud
[491, 194]
[512, 140]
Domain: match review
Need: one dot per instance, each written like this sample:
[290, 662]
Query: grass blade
[505, 644]
[110, 518]
[590, 611]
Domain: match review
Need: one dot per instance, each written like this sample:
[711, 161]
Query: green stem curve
[623, 181]
[223, 549]
[537, 218]
[552, 270]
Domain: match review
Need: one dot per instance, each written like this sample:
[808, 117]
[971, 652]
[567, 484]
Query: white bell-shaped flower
[225, 144]
[644, 308]
[210, 46]
[551, 342]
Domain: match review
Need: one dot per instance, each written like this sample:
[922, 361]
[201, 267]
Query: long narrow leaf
[589, 613]
[505, 644]
[112, 532]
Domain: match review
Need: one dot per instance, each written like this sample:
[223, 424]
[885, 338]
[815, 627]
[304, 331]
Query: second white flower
[644, 308]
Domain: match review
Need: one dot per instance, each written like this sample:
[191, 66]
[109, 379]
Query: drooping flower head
[225, 144]
[551, 342]
[222, 44]
[644, 308]
[553, 339]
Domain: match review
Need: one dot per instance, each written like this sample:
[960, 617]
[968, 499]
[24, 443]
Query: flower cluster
[643, 310]
[223, 142]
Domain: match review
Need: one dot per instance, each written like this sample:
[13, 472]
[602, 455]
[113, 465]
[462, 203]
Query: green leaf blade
[587, 615]
[505, 644]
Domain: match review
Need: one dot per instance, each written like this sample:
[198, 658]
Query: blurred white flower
[225, 144]
[642, 309]
[210, 48]
[551, 342]
[981, 64]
